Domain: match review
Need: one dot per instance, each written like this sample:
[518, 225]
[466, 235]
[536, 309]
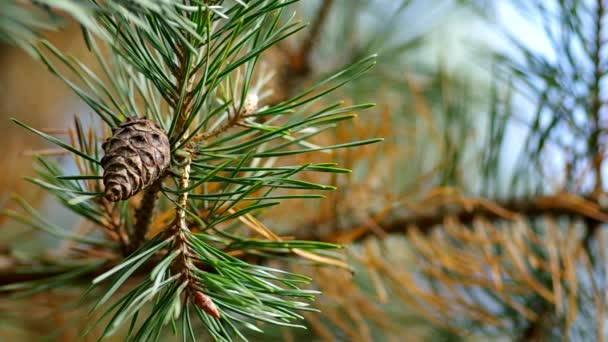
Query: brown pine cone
[136, 154]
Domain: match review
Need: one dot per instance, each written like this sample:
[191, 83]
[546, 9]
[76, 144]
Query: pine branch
[298, 66]
[465, 211]
[539, 329]
[596, 100]
[14, 272]
[300, 61]
[559, 205]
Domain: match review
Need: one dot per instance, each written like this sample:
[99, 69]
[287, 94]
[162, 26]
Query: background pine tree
[478, 217]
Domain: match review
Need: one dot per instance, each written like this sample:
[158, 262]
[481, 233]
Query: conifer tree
[480, 215]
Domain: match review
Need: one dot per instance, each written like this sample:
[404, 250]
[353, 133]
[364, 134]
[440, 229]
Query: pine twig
[180, 218]
[234, 119]
[185, 264]
[299, 64]
[143, 214]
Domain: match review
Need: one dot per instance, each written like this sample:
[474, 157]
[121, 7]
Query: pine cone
[136, 154]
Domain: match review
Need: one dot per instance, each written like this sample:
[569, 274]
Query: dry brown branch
[464, 210]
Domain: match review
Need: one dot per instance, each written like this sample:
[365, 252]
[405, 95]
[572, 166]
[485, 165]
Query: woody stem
[145, 211]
